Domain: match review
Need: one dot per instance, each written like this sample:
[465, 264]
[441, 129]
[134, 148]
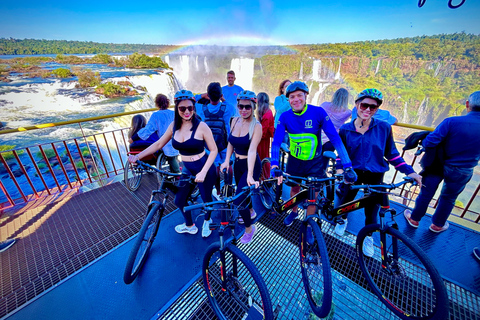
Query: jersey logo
[327, 118]
[308, 124]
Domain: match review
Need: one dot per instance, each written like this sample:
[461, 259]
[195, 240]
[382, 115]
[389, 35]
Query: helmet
[371, 93]
[247, 95]
[184, 95]
[294, 86]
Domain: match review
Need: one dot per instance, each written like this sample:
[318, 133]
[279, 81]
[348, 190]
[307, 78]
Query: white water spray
[243, 68]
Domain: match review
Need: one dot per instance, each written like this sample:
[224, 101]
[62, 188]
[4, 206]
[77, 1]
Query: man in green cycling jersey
[304, 123]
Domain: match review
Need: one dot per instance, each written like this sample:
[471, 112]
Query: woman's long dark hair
[138, 122]
[280, 88]
[263, 105]
[177, 121]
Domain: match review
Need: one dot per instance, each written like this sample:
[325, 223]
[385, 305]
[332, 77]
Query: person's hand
[279, 178]
[224, 166]
[349, 176]
[133, 158]
[417, 178]
[200, 177]
[251, 181]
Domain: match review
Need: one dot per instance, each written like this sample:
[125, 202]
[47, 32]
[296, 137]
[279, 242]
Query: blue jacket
[461, 139]
[373, 150]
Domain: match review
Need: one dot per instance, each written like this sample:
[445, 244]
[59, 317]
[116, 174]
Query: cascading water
[317, 65]
[244, 68]
[316, 98]
[207, 70]
[301, 72]
[337, 75]
[184, 72]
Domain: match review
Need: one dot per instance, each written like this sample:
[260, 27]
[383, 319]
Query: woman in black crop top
[244, 138]
[189, 136]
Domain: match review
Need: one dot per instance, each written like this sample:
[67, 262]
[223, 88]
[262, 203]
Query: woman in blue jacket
[370, 146]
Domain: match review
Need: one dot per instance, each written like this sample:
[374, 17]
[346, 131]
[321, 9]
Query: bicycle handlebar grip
[193, 207]
[277, 173]
[349, 175]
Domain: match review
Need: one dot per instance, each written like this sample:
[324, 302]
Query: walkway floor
[68, 263]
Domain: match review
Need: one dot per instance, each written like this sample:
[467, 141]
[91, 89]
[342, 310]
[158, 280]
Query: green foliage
[110, 89]
[49, 153]
[87, 78]
[42, 165]
[102, 58]
[79, 165]
[138, 60]
[62, 73]
[68, 59]
[7, 154]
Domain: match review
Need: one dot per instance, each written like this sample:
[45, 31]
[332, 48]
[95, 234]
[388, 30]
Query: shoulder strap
[221, 112]
[206, 112]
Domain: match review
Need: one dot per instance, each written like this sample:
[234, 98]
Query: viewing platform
[70, 255]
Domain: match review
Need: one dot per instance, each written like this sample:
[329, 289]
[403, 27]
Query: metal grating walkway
[275, 253]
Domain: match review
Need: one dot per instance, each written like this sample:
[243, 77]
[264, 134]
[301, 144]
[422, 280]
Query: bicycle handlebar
[384, 186]
[209, 205]
[167, 173]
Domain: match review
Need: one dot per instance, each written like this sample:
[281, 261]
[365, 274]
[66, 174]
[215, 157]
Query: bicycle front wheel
[242, 294]
[142, 244]
[315, 266]
[132, 175]
[402, 276]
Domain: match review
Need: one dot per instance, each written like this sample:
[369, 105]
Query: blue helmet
[184, 95]
[294, 86]
[371, 93]
[247, 95]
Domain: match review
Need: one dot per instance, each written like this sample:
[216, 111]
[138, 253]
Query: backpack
[218, 126]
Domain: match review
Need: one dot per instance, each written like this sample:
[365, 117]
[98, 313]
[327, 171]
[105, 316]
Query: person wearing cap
[304, 124]
[243, 140]
[460, 139]
[189, 136]
[371, 148]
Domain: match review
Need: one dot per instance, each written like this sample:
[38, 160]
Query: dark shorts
[302, 168]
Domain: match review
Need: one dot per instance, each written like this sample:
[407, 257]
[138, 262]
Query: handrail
[414, 126]
[62, 123]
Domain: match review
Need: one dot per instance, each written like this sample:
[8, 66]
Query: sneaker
[290, 218]
[182, 228]
[206, 228]
[253, 215]
[476, 253]
[309, 236]
[368, 249]
[6, 244]
[436, 229]
[247, 237]
[341, 227]
[407, 214]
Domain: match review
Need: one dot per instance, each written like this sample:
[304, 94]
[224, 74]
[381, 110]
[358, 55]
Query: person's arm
[150, 128]
[277, 141]
[226, 163]
[252, 154]
[437, 136]
[154, 147]
[208, 137]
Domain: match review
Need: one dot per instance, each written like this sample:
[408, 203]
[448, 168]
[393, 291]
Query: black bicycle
[234, 286]
[132, 174]
[156, 207]
[399, 272]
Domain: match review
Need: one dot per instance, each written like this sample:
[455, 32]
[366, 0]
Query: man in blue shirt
[231, 90]
[216, 108]
[460, 139]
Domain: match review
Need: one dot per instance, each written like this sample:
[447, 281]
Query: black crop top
[240, 144]
[191, 146]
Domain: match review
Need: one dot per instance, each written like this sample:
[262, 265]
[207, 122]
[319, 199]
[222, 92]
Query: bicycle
[234, 286]
[154, 213]
[132, 174]
[266, 163]
[388, 271]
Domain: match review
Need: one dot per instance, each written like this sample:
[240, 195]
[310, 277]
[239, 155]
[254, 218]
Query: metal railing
[49, 169]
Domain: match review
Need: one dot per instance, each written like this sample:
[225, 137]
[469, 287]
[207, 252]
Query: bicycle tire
[235, 302]
[132, 176]
[409, 291]
[162, 164]
[316, 271]
[143, 243]
[265, 169]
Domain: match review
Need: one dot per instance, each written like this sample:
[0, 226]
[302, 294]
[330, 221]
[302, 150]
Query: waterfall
[378, 66]
[184, 68]
[154, 84]
[316, 98]
[337, 75]
[422, 112]
[317, 65]
[405, 113]
[301, 72]
[196, 63]
[437, 70]
[167, 60]
[243, 68]
[207, 70]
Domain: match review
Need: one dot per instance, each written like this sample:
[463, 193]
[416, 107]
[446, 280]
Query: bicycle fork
[386, 259]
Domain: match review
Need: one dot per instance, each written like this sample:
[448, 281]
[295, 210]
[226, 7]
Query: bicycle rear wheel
[132, 175]
[143, 243]
[408, 283]
[244, 294]
[315, 266]
[265, 169]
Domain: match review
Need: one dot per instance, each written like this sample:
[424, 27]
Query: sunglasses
[365, 106]
[183, 109]
[245, 106]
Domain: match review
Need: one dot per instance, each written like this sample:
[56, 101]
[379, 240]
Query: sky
[236, 22]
